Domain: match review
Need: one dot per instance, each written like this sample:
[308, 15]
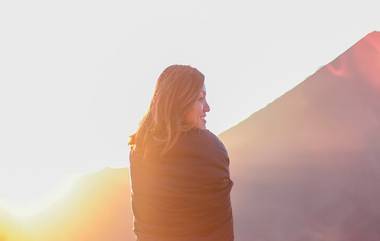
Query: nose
[206, 107]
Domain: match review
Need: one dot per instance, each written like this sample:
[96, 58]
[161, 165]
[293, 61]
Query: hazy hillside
[307, 166]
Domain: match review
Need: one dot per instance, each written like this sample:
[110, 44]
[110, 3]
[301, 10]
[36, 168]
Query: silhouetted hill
[307, 166]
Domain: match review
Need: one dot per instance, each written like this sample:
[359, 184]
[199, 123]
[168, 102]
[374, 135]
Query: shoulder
[210, 138]
[201, 136]
[202, 142]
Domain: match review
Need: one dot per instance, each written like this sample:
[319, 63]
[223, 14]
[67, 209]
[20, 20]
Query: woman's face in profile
[196, 116]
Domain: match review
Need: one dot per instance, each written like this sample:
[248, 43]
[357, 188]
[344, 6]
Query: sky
[77, 76]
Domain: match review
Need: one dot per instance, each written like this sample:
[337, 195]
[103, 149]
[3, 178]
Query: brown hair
[176, 90]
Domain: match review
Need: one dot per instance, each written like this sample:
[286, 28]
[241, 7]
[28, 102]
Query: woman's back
[185, 194]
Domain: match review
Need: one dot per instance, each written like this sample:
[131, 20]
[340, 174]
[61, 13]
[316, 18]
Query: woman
[179, 170]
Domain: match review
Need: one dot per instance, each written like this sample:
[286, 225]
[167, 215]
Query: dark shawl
[184, 195]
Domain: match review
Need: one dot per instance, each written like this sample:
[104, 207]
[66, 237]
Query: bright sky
[77, 76]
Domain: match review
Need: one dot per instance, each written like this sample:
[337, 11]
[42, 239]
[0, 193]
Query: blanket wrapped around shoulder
[186, 192]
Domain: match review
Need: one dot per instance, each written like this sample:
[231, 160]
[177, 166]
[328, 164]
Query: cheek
[190, 115]
[198, 110]
[195, 113]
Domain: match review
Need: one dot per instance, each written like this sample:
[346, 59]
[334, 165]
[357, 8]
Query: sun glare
[26, 197]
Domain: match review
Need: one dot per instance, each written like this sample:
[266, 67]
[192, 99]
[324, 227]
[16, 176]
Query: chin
[202, 127]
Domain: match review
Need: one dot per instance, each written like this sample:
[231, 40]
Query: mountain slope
[307, 166]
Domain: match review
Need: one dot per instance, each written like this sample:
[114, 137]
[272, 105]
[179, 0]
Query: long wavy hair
[177, 88]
